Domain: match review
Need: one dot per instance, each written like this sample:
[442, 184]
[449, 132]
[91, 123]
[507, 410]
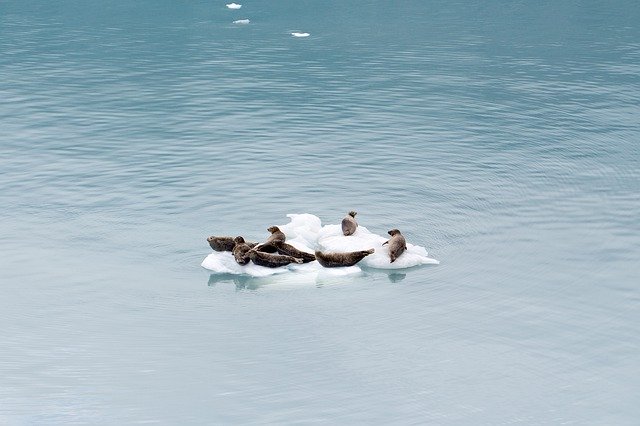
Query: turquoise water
[502, 136]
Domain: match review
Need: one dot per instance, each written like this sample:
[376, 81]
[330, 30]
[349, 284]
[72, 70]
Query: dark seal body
[349, 224]
[224, 243]
[397, 244]
[276, 237]
[271, 260]
[221, 243]
[334, 260]
[289, 250]
[241, 251]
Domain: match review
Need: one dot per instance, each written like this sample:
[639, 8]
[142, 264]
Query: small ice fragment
[296, 34]
[234, 6]
[241, 21]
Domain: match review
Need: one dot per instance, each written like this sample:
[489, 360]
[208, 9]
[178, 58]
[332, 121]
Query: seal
[276, 237]
[241, 251]
[221, 243]
[397, 244]
[349, 223]
[289, 250]
[334, 260]
[225, 243]
[271, 260]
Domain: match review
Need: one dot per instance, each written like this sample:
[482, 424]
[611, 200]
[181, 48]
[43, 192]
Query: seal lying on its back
[349, 223]
[289, 250]
[334, 260]
[221, 243]
[241, 251]
[271, 260]
[397, 244]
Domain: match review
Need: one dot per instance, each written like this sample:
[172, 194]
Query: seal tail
[298, 260]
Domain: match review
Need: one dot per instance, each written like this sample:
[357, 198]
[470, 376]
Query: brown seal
[397, 244]
[289, 250]
[349, 223]
[271, 260]
[333, 260]
[276, 237]
[221, 243]
[241, 251]
[224, 243]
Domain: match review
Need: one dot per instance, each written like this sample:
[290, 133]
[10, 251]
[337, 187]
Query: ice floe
[305, 232]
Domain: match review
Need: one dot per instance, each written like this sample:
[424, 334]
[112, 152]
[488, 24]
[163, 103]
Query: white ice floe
[305, 232]
[234, 6]
[297, 34]
[241, 21]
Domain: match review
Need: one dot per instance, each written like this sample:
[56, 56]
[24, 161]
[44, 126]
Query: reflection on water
[242, 282]
[395, 277]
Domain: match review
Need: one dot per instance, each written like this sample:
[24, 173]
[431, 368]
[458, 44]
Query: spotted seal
[276, 237]
[349, 224]
[271, 260]
[289, 250]
[221, 243]
[241, 251]
[333, 260]
[225, 243]
[397, 244]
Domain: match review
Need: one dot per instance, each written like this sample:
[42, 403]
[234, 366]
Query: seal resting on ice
[289, 250]
[271, 260]
[349, 223]
[221, 243]
[334, 260]
[241, 251]
[397, 244]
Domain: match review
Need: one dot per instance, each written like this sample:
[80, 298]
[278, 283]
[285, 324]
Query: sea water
[501, 137]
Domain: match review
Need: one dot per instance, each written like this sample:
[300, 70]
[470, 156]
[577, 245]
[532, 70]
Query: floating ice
[297, 34]
[234, 6]
[241, 21]
[305, 232]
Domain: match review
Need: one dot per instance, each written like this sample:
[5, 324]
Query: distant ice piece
[241, 21]
[297, 34]
[234, 6]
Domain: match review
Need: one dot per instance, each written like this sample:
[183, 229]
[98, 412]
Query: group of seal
[275, 252]
[397, 243]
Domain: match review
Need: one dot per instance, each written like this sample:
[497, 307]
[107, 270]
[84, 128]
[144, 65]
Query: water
[502, 136]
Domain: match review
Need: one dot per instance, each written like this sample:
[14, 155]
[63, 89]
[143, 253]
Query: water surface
[502, 136]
